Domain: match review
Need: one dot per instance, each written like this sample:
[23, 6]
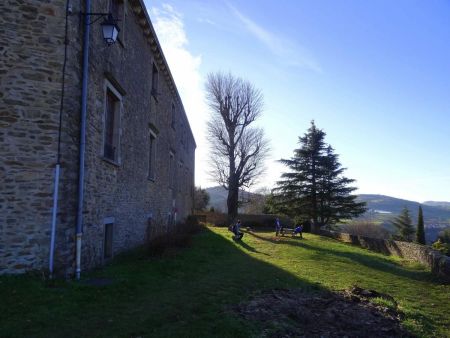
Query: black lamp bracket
[100, 15]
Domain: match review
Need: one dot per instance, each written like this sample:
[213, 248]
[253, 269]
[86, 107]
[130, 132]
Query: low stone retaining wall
[437, 262]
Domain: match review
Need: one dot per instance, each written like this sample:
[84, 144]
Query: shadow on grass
[247, 247]
[374, 262]
[189, 294]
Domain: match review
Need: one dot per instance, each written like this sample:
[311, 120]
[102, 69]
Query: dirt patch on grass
[350, 313]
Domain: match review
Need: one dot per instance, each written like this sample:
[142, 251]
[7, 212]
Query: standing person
[277, 226]
[237, 230]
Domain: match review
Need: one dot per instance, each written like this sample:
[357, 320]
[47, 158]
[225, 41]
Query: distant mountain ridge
[433, 214]
[380, 209]
[385, 207]
[444, 205]
[218, 197]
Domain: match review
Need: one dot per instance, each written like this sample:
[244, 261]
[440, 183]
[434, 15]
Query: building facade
[139, 157]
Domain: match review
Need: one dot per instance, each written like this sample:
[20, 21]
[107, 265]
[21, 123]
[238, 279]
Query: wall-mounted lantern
[110, 29]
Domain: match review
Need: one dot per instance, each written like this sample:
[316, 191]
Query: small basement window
[108, 243]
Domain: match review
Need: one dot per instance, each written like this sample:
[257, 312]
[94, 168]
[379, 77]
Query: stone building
[138, 175]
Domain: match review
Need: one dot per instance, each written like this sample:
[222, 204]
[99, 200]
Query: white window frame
[152, 152]
[173, 114]
[154, 91]
[172, 168]
[109, 86]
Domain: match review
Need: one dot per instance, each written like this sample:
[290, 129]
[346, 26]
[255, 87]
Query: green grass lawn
[190, 292]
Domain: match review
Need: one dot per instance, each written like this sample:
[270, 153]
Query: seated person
[299, 230]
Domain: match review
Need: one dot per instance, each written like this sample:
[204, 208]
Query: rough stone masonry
[144, 188]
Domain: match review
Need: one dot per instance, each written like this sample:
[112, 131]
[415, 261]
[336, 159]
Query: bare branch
[238, 149]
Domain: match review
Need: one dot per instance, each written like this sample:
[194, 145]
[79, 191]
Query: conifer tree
[314, 188]
[403, 224]
[420, 233]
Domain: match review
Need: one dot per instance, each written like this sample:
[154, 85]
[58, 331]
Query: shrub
[442, 247]
[444, 235]
[178, 236]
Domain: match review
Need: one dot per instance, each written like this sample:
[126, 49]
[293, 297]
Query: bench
[292, 231]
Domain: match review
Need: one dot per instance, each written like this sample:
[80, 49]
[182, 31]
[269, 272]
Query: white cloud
[289, 51]
[185, 68]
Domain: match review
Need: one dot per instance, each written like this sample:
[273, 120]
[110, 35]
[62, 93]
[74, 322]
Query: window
[154, 81]
[171, 169]
[108, 243]
[152, 156]
[180, 176]
[112, 123]
[186, 181]
[117, 10]
[181, 131]
[172, 122]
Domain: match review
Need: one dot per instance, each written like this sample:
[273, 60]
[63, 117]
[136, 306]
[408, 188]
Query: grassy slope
[189, 293]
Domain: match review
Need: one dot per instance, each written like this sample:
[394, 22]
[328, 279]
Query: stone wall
[32, 55]
[31, 59]
[437, 262]
[122, 192]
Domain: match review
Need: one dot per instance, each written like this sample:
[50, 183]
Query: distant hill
[381, 204]
[443, 205]
[218, 197]
[381, 209]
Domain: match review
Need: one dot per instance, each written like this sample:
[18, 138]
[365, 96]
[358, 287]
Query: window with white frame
[180, 175]
[111, 133]
[155, 79]
[152, 155]
[186, 181]
[171, 170]
[172, 117]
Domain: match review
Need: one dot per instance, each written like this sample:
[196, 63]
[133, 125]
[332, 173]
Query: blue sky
[375, 75]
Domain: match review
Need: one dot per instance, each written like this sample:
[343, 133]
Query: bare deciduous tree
[238, 149]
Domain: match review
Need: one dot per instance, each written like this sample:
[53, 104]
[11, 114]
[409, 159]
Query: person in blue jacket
[237, 230]
[299, 230]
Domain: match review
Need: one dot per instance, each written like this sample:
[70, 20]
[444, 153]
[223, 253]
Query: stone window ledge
[117, 164]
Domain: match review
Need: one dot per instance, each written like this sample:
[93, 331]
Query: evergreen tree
[403, 224]
[314, 187]
[201, 199]
[420, 234]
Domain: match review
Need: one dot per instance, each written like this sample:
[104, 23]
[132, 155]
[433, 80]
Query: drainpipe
[58, 155]
[84, 88]
[54, 212]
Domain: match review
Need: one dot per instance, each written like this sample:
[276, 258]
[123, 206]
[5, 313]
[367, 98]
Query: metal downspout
[54, 213]
[84, 90]
[58, 155]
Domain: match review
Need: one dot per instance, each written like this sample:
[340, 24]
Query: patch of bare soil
[349, 313]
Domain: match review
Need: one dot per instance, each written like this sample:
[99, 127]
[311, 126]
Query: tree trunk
[232, 200]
